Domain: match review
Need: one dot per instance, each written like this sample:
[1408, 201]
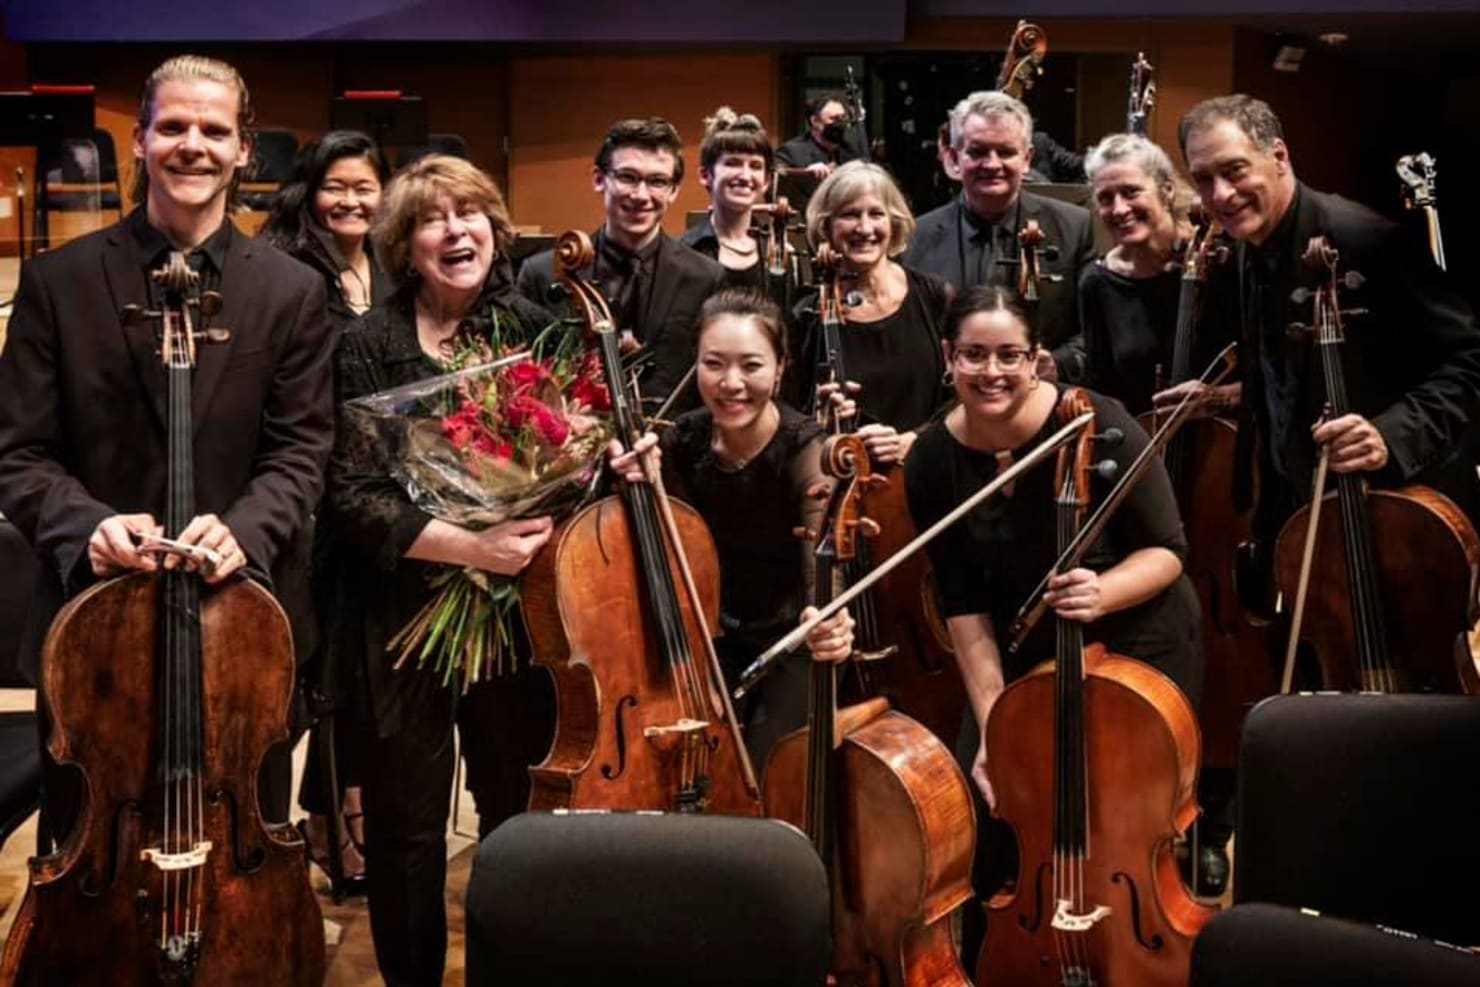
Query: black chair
[77, 176]
[647, 898]
[1274, 946]
[272, 165]
[452, 144]
[1358, 807]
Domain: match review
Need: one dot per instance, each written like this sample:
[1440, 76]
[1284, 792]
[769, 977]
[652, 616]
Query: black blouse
[371, 519]
[896, 360]
[1130, 328]
[993, 559]
[752, 512]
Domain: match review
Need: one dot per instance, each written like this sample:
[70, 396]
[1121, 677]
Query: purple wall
[816, 21]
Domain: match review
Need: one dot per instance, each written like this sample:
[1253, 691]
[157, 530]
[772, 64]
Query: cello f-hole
[1038, 898]
[620, 725]
[1156, 942]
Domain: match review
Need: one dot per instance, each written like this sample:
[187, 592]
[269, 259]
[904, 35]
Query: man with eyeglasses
[654, 284]
[972, 240]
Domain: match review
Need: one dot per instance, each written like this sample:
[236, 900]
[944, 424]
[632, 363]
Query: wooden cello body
[93, 912]
[166, 696]
[642, 720]
[1140, 743]
[883, 802]
[1093, 759]
[1391, 592]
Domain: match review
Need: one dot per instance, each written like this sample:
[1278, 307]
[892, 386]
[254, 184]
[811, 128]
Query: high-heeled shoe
[350, 885]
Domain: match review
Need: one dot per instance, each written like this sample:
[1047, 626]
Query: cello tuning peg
[1296, 330]
[1301, 295]
[1353, 280]
[557, 292]
[210, 303]
[1111, 437]
[1106, 469]
[1351, 312]
[803, 533]
[216, 334]
[132, 315]
[869, 527]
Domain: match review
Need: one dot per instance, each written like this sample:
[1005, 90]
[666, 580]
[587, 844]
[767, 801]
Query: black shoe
[350, 886]
[1212, 872]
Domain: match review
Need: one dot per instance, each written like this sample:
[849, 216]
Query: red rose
[462, 425]
[591, 393]
[527, 375]
[524, 411]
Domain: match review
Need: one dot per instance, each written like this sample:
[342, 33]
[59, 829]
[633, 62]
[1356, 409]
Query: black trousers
[505, 725]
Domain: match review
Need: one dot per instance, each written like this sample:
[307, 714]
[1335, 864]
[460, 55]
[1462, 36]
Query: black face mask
[834, 132]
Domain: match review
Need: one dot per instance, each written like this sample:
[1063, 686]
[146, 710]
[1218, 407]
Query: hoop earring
[949, 377]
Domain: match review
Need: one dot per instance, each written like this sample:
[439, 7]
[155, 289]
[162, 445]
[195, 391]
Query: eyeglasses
[631, 181]
[978, 359]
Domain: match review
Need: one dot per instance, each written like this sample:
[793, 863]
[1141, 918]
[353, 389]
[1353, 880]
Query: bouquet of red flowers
[517, 437]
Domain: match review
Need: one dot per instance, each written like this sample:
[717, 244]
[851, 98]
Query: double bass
[881, 799]
[1392, 582]
[1200, 462]
[166, 695]
[643, 719]
[1094, 763]
[1023, 63]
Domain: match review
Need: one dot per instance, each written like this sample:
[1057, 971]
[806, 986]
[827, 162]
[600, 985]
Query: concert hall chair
[647, 898]
[272, 165]
[452, 144]
[1357, 807]
[77, 176]
[1274, 946]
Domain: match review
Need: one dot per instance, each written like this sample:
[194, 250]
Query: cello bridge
[194, 857]
[1067, 921]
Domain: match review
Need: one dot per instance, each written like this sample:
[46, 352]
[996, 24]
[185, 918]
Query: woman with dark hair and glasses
[322, 216]
[1129, 591]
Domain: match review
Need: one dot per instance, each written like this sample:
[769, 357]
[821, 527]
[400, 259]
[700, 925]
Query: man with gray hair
[973, 239]
[1412, 345]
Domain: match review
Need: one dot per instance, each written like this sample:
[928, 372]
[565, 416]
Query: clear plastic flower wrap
[517, 437]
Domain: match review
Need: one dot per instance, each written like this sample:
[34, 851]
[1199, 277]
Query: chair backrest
[273, 155]
[1363, 807]
[1280, 947]
[452, 144]
[646, 898]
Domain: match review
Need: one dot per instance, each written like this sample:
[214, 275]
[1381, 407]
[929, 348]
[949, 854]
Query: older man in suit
[82, 392]
[973, 239]
[655, 285]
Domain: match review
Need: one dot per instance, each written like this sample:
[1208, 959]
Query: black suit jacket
[941, 238]
[1411, 358]
[82, 409]
[682, 280]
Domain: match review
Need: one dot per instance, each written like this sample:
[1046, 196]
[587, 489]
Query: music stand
[391, 119]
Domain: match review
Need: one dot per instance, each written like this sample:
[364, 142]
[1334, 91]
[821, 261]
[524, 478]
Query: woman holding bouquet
[752, 467]
[444, 235]
[322, 216]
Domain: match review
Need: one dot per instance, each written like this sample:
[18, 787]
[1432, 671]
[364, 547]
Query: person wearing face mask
[1412, 352]
[825, 143]
[973, 239]
[323, 215]
[735, 163]
[653, 284]
[890, 334]
[444, 234]
[1129, 591]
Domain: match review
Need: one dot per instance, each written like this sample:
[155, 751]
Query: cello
[1199, 459]
[881, 799]
[906, 653]
[1419, 173]
[167, 695]
[642, 723]
[1393, 595]
[1094, 762]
